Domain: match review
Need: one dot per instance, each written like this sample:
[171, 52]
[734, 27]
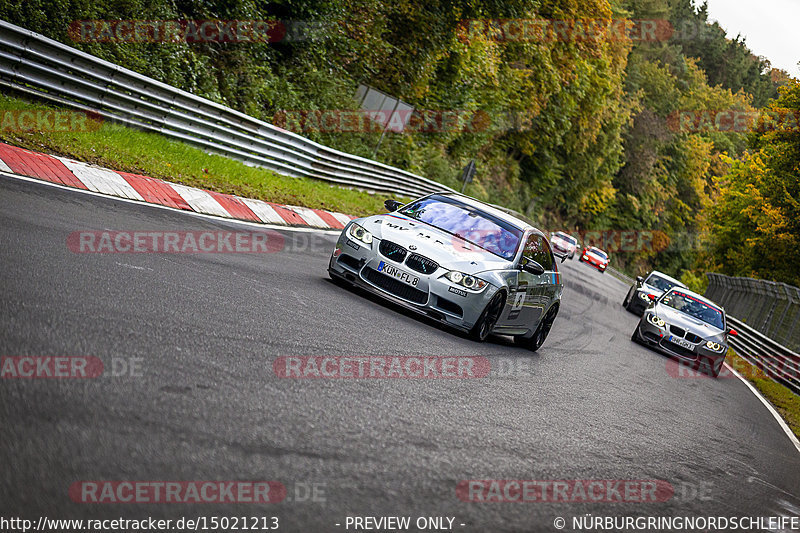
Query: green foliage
[755, 224]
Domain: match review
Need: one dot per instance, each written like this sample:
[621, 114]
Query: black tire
[627, 301]
[491, 313]
[538, 338]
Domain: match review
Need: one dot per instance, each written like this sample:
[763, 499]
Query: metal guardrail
[765, 309]
[619, 275]
[47, 69]
[778, 362]
[772, 309]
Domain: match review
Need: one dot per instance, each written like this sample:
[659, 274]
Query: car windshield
[564, 237]
[469, 223]
[597, 252]
[693, 307]
[659, 283]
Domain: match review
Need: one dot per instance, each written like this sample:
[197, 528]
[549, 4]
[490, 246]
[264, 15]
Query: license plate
[681, 342]
[398, 274]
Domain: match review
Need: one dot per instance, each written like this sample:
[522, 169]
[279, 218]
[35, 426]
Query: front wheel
[491, 314]
[627, 301]
[535, 342]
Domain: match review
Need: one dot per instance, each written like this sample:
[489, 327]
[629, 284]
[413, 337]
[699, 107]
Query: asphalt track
[205, 403]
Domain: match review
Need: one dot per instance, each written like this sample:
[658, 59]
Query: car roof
[493, 210]
[666, 277]
[695, 295]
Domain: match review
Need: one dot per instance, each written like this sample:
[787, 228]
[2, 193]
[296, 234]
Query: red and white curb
[72, 173]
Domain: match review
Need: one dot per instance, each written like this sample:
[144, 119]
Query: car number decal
[517, 303]
[519, 300]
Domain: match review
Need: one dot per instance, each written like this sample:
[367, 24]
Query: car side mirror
[533, 267]
[639, 280]
[733, 332]
[392, 205]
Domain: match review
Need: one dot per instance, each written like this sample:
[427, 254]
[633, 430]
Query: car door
[551, 285]
[530, 298]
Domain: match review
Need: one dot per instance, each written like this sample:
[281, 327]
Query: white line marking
[4, 167]
[200, 200]
[172, 209]
[769, 406]
[101, 180]
[126, 265]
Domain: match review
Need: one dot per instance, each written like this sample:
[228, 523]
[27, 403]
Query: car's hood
[446, 249]
[698, 327]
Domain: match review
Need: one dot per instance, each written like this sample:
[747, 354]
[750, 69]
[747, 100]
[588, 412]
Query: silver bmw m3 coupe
[685, 325]
[460, 261]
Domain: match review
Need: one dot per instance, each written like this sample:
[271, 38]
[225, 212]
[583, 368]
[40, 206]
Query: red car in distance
[595, 257]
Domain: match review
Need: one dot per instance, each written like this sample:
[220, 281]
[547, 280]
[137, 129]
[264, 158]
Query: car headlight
[653, 319]
[360, 234]
[643, 296]
[465, 280]
[714, 346]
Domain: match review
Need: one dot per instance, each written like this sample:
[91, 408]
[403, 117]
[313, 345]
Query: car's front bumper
[658, 338]
[434, 296]
[599, 266]
[637, 305]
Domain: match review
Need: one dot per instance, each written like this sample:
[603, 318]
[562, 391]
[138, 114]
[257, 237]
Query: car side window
[536, 248]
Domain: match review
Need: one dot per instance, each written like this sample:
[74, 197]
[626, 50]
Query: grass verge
[126, 149]
[784, 400]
